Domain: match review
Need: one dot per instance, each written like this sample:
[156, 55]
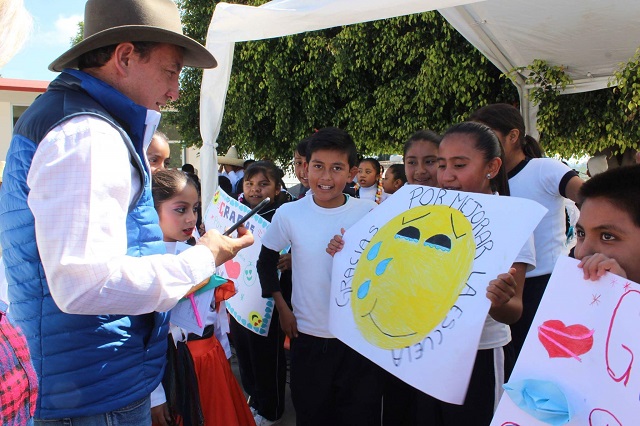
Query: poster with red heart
[582, 346]
[248, 306]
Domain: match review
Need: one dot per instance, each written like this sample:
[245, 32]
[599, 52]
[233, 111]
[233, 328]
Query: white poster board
[582, 345]
[248, 306]
[409, 287]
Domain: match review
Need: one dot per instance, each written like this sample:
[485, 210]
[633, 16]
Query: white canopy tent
[589, 37]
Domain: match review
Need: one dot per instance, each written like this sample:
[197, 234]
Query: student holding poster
[331, 384]
[545, 180]
[262, 362]
[579, 356]
[470, 159]
[608, 231]
[200, 386]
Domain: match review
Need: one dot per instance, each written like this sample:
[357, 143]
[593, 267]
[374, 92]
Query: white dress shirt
[81, 185]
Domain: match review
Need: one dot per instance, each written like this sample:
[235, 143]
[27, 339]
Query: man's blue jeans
[135, 414]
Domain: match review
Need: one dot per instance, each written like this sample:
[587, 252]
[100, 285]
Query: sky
[55, 22]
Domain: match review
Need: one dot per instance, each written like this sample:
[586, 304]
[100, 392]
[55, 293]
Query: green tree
[196, 16]
[590, 122]
[79, 35]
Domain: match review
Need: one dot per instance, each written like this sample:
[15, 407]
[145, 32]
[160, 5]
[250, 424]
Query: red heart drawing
[233, 269]
[563, 341]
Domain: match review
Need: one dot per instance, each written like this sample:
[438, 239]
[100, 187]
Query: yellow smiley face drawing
[255, 319]
[411, 274]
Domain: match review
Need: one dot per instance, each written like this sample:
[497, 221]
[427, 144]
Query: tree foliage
[380, 81]
[590, 122]
[196, 16]
[79, 35]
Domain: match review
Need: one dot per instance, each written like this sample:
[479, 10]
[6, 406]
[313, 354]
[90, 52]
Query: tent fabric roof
[589, 37]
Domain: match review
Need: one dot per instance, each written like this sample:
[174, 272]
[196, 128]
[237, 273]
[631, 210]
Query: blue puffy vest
[85, 364]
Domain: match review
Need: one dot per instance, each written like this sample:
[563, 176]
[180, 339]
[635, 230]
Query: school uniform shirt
[369, 193]
[544, 180]
[308, 228]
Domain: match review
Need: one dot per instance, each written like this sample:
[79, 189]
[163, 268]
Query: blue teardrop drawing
[382, 266]
[373, 253]
[363, 290]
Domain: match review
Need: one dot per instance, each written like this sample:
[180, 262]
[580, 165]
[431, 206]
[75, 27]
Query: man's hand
[225, 248]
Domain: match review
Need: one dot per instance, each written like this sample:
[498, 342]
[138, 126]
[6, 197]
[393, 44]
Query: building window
[18, 110]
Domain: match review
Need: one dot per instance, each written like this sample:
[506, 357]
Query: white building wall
[9, 99]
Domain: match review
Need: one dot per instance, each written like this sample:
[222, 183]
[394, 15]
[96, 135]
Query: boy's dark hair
[301, 148]
[333, 139]
[504, 118]
[421, 135]
[225, 184]
[398, 172]
[620, 186]
[188, 168]
[488, 144]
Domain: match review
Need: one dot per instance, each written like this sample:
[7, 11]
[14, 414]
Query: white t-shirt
[543, 180]
[496, 334]
[308, 228]
[370, 193]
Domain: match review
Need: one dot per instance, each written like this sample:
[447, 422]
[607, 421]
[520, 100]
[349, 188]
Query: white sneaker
[261, 421]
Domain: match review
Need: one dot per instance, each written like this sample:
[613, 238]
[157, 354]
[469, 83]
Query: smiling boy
[330, 382]
[608, 231]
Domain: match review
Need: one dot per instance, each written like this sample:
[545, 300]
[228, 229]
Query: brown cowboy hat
[108, 22]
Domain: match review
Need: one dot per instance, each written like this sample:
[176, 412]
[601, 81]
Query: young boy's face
[328, 172]
[389, 182]
[298, 167]
[605, 228]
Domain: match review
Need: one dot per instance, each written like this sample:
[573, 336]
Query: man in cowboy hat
[232, 166]
[83, 250]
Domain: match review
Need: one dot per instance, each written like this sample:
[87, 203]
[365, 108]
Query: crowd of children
[330, 382]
